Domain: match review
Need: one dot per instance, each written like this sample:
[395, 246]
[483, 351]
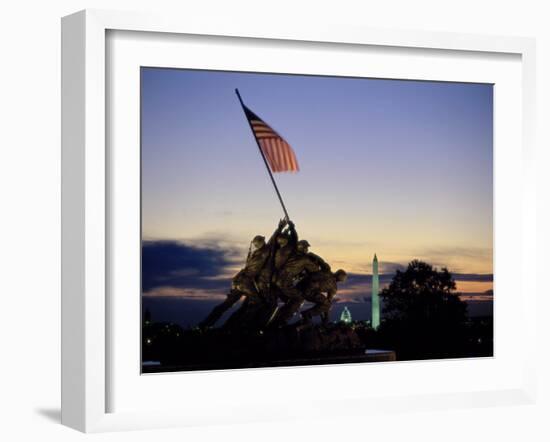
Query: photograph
[299, 220]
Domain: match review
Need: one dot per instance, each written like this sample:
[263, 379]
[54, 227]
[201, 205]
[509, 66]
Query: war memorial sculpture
[282, 269]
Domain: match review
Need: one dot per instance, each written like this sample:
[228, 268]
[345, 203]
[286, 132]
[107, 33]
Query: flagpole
[263, 156]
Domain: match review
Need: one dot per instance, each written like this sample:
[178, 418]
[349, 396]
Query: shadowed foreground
[289, 346]
[424, 318]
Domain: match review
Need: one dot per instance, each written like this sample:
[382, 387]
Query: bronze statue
[286, 246]
[320, 288]
[303, 248]
[282, 269]
[244, 282]
[286, 278]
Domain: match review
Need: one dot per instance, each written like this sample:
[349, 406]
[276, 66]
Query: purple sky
[398, 168]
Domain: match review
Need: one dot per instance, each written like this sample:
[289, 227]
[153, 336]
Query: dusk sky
[402, 169]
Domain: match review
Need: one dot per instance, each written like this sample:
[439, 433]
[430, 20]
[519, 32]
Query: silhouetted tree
[423, 318]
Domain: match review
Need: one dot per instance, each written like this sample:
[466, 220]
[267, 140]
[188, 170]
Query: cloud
[477, 297]
[459, 252]
[177, 265]
[202, 270]
[358, 287]
[191, 294]
[473, 277]
[457, 258]
[390, 267]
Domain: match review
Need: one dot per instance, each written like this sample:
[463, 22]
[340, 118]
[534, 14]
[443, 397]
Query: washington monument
[375, 298]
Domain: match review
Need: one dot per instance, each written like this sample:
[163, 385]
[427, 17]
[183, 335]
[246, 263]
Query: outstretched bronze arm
[293, 237]
[277, 232]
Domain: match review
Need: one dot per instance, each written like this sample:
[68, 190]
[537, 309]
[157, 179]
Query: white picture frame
[86, 203]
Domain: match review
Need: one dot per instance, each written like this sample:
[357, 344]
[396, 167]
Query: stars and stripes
[277, 151]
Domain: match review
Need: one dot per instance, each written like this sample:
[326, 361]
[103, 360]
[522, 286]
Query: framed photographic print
[220, 290]
[248, 212]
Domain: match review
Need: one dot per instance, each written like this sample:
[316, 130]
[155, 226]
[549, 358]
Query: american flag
[277, 151]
